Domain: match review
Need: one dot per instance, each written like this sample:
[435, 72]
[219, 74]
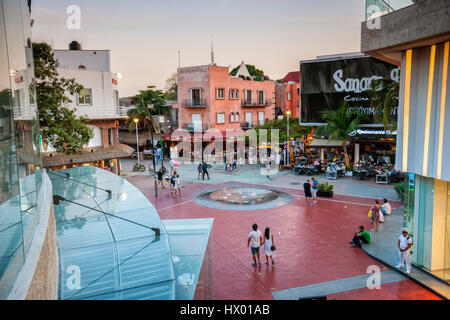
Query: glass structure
[20, 160]
[113, 245]
[376, 8]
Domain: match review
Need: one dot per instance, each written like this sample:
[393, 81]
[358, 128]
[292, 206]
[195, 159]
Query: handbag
[272, 248]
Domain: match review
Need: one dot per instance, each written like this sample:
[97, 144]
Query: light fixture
[288, 113]
[136, 120]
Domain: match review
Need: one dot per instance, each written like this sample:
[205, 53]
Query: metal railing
[194, 103]
[258, 103]
[247, 125]
[378, 8]
[195, 126]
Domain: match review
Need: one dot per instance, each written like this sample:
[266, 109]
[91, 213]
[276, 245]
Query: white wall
[95, 60]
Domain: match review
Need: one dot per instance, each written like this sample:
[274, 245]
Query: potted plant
[350, 170]
[325, 190]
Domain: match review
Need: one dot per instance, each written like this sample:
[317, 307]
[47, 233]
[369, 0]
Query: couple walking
[256, 240]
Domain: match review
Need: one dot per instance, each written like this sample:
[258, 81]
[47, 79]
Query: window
[289, 96]
[85, 97]
[232, 117]
[236, 117]
[261, 117]
[196, 96]
[231, 94]
[260, 97]
[237, 94]
[220, 93]
[221, 117]
[248, 97]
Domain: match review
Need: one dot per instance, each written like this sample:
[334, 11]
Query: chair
[332, 175]
[381, 178]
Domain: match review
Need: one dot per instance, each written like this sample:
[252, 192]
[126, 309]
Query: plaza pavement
[311, 240]
[257, 175]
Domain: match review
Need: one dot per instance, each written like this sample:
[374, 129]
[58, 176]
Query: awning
[207, 136]
[129, 138]
[325, 143]
[88, 155]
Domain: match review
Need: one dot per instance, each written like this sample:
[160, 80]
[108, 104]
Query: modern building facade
[28, 254]
[210, 98]
[287, 94]
[99, 101]
[417, 38]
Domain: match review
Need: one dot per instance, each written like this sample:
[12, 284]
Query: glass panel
[447, 238]
[376, 8]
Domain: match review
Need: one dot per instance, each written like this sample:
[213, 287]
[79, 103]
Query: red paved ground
[402, 290]
[311, 240]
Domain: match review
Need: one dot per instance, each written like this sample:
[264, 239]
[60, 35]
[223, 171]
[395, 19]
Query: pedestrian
[172, 185]
[205, 170]
[375, 216]
[160, 176]
[200, 170]
[404, 250]
[268, 166]
[256, 239]
[171, 165]
[269, 247]
[307, 190]
[315, 188]
[177, 186]
[362, 235]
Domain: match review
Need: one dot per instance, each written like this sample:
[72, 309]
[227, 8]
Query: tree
[384, 98]
[156, 99]
[295, 129]
[254, 72]
[340, 123]
[60, 126]
[172, 87]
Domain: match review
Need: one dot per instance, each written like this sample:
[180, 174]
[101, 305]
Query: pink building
[288, 94]
[209, 97]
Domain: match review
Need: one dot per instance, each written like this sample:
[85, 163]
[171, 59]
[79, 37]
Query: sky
[144, 36]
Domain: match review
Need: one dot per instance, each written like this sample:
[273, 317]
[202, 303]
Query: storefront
[373, 145]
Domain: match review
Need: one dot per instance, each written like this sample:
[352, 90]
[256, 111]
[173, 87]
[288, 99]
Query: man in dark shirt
[205, 170]
[160, 175]
[307, 189]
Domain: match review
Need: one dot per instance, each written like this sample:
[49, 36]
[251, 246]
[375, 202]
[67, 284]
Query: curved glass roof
[111, 238]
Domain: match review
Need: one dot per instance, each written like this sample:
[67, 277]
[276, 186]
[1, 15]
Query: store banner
[325, 84]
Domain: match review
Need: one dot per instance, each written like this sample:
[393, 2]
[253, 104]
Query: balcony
[259, 103]
[96, 112]
[247, 125]
[198, 126]
[194, 103]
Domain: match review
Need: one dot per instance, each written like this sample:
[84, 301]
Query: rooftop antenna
[179, 59]
[212, 51]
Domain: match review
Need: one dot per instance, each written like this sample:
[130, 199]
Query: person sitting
[362, 235]
[386, 207]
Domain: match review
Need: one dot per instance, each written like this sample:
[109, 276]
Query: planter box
[325, 194]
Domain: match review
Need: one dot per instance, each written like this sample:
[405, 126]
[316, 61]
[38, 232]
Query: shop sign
[374, 132]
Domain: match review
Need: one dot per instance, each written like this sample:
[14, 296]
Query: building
[287, 94]
[210, 98]
[28, 252]
[417, 38]
[99, 101]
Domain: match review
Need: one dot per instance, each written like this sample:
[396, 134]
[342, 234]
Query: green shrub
[400, 188]
[325, 187]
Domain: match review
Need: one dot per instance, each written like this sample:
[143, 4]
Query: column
[356, 158]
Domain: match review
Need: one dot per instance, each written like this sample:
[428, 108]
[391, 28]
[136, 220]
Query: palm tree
[340, 123]
[384, 98]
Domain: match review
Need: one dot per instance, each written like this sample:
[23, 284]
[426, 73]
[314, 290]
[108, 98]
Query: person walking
[205, 170]
[269, 247]
[160, 175]
[177, 186]
[200, 170]
[268, 167]
[315, 188]
[404, 245]
[307, 190]
[256, 239]
[375, 216]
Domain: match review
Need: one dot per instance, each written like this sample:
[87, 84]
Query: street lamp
[288, 113]
[136, 121]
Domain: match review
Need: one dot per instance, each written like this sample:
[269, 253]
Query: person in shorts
[315, 188]
[307, 189]
[255, 237]
[160, 176]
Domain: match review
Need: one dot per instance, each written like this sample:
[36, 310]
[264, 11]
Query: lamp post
[136, 121]
[288, 113]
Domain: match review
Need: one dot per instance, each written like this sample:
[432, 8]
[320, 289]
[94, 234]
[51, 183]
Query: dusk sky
[144, 36]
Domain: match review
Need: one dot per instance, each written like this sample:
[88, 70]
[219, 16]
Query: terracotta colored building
[209, 97]
[287, 94]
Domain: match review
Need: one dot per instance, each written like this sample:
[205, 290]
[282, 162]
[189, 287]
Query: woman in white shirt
[386, 207]
[269, 247]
